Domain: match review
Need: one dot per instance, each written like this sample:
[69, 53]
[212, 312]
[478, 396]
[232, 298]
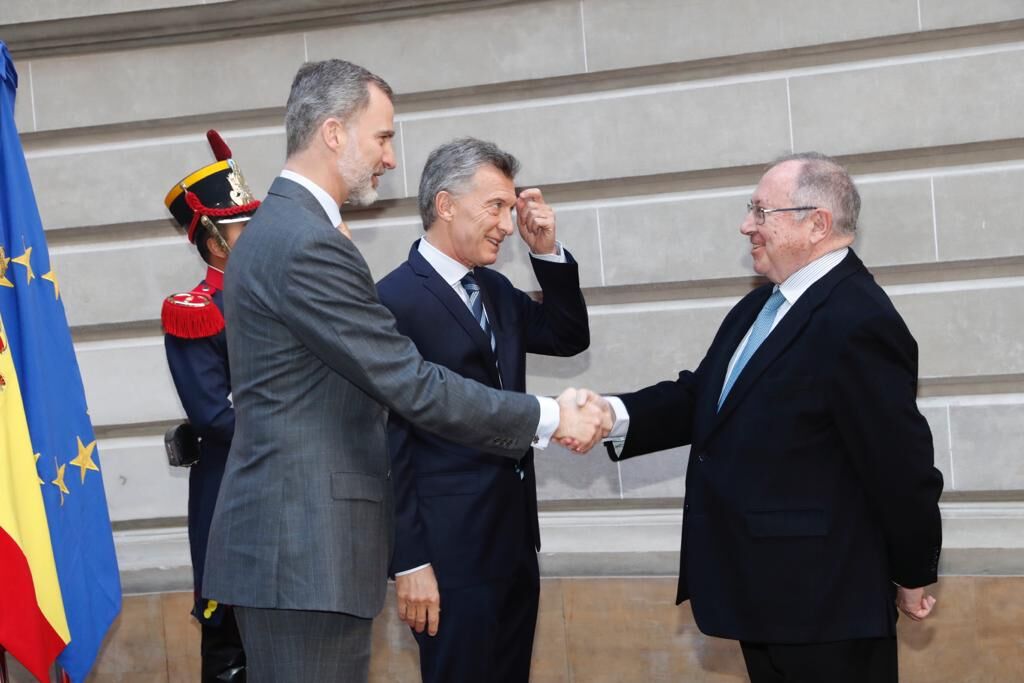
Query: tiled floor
[613, 631]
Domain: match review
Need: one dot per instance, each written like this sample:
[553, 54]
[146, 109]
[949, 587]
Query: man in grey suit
[303, 528]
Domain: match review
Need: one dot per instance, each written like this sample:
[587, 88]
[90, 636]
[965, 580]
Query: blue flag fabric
[67, 461]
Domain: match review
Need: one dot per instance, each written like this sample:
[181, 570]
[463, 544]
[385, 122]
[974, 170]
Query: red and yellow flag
[33, 626]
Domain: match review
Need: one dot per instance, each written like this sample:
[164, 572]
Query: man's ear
[214, 246]
[444, 205]
[821, 228]
[334, 134]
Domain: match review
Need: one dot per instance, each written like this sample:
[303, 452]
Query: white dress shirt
[792, 289]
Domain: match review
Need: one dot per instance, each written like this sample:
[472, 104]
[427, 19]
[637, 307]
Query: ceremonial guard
[213, 204]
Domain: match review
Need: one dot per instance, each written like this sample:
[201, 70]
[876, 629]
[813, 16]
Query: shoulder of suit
[193, 314]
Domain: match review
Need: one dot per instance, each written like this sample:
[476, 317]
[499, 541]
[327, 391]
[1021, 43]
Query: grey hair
[320, 90]
[451, 168]
[825, 182]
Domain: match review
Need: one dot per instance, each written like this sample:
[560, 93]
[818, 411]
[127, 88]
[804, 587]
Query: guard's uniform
[197, 354]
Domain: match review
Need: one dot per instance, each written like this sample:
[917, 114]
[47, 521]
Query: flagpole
[3, 665]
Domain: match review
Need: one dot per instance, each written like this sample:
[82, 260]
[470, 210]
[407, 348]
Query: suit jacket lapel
[784, 333]
[436, 285]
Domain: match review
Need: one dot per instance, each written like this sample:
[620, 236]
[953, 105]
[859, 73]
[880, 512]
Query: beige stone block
[127, 381]
[944, 14]
[24, 11]
[678, 240]
[618, 134]
[938, 421]
[457, 49]
[987, 446]
[624, 34]
[124, 282]
[138, 481]
[978, 215]
[938, 102]
[965, 332]
[165, 82]
[895, 226]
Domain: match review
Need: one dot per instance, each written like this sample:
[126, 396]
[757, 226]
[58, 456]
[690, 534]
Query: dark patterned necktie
[476, 306]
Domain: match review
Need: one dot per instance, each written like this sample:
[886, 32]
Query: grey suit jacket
[305, 518]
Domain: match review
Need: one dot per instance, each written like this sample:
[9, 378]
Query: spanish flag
[32, 622]
[59, 585]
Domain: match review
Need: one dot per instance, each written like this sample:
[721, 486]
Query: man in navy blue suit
[213, 204]
[467, 533]
[811, 512]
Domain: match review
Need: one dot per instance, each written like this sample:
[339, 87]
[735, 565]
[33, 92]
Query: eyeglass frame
[761, 213]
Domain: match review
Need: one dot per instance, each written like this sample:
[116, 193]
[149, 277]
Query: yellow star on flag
[84, 458]
[41, 482]
[52, 277]
[26, 260]
[59, 481]
[4, 265]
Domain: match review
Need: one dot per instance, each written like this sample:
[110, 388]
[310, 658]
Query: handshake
[584, 419]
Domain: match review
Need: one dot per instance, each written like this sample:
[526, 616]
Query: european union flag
[61, 433]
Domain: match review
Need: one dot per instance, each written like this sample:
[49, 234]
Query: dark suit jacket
[813, 489]
[466, 512]
[305, 516]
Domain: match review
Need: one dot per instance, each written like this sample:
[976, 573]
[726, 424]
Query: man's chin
[363, 197]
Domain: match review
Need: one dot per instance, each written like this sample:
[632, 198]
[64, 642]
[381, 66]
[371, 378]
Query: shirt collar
[450, 270]
[800, 281]
[330, 206]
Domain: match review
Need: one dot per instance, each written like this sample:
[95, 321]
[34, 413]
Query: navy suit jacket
[466, 512]
[202, 377]
[813, 489]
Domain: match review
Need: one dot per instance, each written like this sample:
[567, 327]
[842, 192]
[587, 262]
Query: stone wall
[646, 122]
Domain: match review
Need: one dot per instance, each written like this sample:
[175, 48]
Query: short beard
[357, 176]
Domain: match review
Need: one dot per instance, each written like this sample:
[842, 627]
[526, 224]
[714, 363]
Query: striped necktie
[476, 306]
[758, 333]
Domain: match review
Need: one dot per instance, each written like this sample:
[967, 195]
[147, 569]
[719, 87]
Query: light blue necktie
[476, 305]
[758, 333]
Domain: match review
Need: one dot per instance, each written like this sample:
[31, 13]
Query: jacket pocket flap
[783, 523]
[450, 484]
[356, 486]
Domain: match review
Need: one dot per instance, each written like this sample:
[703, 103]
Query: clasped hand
[585, 419]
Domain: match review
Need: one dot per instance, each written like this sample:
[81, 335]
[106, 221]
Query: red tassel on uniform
[191, 316]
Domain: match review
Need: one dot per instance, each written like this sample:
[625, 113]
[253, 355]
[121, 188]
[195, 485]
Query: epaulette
[192, 315]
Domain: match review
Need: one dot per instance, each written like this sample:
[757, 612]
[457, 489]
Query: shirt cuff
[621, 425]
[549, 417]
[557, 257]
[414, 569]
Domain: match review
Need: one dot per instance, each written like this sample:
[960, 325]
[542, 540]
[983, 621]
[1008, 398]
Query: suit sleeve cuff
[549, 417]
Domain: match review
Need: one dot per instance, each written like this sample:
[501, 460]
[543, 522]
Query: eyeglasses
[760, 212]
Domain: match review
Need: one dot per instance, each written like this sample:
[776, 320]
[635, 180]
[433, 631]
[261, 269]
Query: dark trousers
[865, 660]
[221, 650]
[297, 646]
[486, 631]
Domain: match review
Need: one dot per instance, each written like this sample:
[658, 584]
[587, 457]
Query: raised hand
[914, 602]
[536, 221]
[419, 601]
[583, 421]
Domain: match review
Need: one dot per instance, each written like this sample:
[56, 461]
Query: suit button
[686, 507]
[388, 475]
[700, 457]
